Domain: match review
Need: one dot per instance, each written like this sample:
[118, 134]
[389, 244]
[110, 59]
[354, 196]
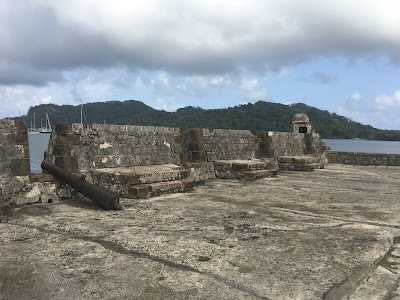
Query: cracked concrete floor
[328, 234]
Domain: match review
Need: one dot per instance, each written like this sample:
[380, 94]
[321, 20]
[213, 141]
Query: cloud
[200, 85]
[195, 38]
[166, 104]
[384, 101]
[162, 85]
[356, 96]
[251, 90]
[15, 100]
[381, 111]
[163, 51]
[323, 77]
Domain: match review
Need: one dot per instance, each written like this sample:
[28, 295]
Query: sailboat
[33, 129]
[46, 129]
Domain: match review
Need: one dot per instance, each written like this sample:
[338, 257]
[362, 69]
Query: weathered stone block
[188, 184]
[68, 163]
[62, 128]
[130, 178]
[71, 139]
[17, 139]
[198, 156]
[42, 177]
[21, 127]
[62, 150]
[140, 191]
[20, 167]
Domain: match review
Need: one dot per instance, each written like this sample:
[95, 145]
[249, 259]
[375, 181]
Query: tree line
[261, 116]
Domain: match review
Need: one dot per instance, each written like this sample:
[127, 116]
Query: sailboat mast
[48, 126]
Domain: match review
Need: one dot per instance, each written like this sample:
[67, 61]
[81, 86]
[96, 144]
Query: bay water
[37, 145]
[369, 146]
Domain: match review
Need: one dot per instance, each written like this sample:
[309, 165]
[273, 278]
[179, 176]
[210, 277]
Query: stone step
[143, 181]
[298, 163]
[246, 175]
[244, 169]
[140, 174]
[242, 165]
[140, 191]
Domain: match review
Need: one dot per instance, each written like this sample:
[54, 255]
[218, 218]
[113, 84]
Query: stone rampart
[14, 149]
[363, 159]
[79, 148]
[17, 184]
[205, 146]
[84, 148]
[274, 144]
[220, 144]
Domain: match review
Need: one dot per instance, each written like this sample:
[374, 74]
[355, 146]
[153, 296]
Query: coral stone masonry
[143, 161]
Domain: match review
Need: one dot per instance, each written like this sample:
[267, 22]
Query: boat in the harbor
[33, 129]
[47, 128]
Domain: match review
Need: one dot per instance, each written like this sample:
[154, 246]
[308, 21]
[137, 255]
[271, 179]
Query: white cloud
[167, 104]
[190, 37]
[356, 96]
[381, 112]
[16, 100]
[71, 51]
[251, 90]
[385, 101]
[201, 85]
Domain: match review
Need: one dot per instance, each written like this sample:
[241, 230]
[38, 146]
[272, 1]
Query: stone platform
[328, 234]
[245, 169]
[305, 163]
[143, 181]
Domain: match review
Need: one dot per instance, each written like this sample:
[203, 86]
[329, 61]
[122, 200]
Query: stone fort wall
[363, 159]
[17, 184]
[80, 148]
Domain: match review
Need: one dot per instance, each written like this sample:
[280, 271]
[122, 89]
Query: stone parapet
[97, 150]
[363, 159]
[209, 145]
[82, 147]
[14, 148]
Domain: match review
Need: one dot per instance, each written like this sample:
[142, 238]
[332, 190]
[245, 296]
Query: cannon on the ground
[79, 184]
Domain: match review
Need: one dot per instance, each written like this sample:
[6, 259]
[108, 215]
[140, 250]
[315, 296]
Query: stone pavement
[329, 234]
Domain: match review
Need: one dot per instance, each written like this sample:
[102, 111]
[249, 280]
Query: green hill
[260, 116]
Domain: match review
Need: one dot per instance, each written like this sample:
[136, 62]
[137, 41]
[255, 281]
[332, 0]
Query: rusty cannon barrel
[94, 193]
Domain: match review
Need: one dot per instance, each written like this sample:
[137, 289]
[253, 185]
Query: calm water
[37, 145]
[387, 147]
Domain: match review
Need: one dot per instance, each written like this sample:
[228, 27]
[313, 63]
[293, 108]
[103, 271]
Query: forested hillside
[258, 117]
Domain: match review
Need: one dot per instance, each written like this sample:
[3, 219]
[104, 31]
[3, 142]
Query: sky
[341, 56]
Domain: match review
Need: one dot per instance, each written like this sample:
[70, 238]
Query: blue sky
[341, 56]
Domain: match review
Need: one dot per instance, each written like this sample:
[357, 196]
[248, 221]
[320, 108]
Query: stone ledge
[299, 163]
[140, 174]
[155, 189]
[244, 169]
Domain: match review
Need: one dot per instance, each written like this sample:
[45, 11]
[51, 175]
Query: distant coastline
[258, 117]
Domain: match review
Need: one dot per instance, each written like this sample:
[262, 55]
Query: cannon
[79, 184]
